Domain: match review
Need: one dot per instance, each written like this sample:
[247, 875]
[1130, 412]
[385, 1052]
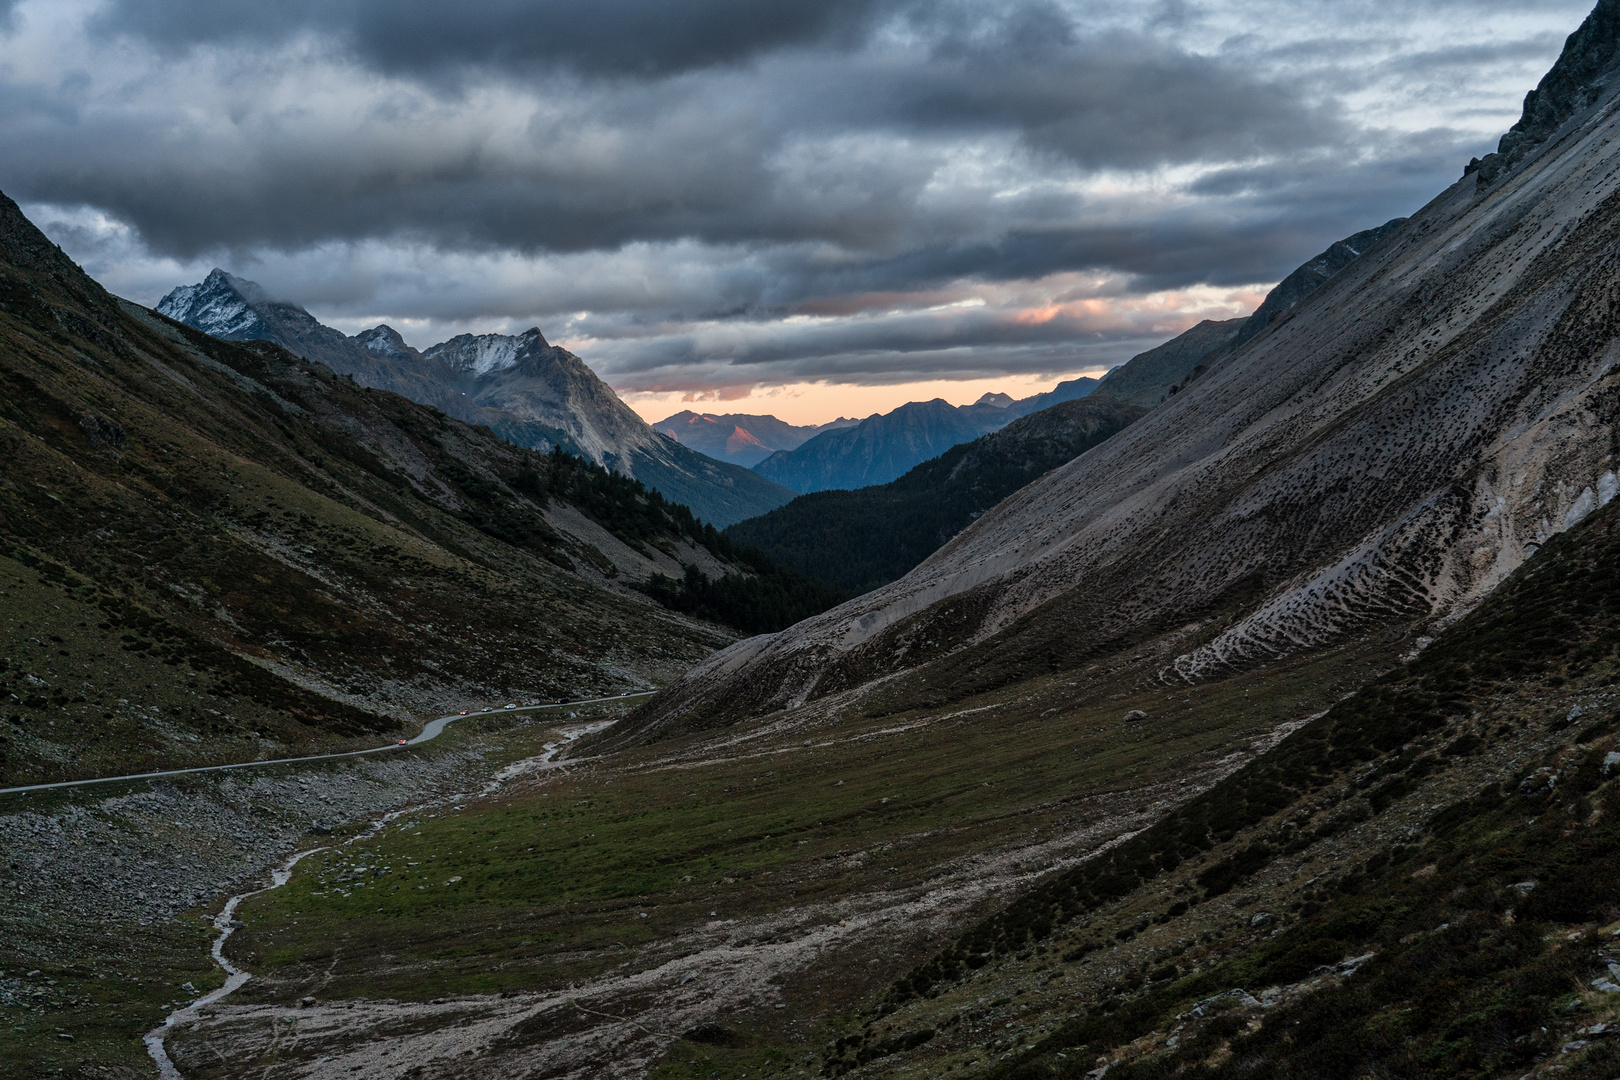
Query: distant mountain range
[526, 390]
[740, 438]
[885, 446]
[868, 537]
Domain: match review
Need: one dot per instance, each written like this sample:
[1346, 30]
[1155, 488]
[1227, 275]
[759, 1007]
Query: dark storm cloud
[1113, 100]
[616, 37]
[836, 146]
[733, 162]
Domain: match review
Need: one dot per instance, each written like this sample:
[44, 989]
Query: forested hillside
[867, 537]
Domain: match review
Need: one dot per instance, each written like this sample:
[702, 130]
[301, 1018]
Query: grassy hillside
[865, 538]
[220, 551]
[1425, 881]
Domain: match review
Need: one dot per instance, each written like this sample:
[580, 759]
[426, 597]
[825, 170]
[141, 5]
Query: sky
[806, 207]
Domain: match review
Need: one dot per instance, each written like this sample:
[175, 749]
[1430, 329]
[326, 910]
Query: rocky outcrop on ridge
[1584, 72]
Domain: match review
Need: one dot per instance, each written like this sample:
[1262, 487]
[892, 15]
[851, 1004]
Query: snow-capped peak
[218, 305]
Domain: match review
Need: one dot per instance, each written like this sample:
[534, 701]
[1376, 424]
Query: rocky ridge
[526, 390]
[884, 446]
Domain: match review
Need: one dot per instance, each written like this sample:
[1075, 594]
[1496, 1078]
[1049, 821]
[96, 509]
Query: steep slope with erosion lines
[214, 551]
[1383, 455]
[1424, 881]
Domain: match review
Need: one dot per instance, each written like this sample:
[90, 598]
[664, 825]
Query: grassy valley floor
[1343, 864]
[721, 900]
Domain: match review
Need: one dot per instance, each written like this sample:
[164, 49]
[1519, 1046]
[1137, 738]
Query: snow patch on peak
[218, 305]
[485, 354]
[383, 340]
[178, 300]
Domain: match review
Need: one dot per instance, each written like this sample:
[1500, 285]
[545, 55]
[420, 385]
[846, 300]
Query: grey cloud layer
[835, 146]
[615, 37]
[671, 169]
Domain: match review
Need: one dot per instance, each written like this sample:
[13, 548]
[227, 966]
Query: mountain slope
[866, 538]
[879, 448]
[528, 391]
[217, 550]
[1146, 379]
[885, 445]
[741, 438]
[1309, 277]
[1382, 456]
[1149, 378]
[1421, 881]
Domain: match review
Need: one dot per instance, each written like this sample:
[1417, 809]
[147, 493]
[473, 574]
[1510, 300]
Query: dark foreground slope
[868, 537]
[220, 551]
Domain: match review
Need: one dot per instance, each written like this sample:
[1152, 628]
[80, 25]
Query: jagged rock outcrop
[1380, 459]
[1584, 72]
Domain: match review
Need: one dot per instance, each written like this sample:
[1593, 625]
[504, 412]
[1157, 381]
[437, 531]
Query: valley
[1249, 713]
[812, 841]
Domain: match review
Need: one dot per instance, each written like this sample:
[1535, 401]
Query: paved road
[430, 731]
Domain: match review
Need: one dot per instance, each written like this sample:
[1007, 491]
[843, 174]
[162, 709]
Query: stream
[226, 923]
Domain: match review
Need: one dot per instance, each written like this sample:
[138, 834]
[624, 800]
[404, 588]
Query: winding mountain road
[430, 731]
